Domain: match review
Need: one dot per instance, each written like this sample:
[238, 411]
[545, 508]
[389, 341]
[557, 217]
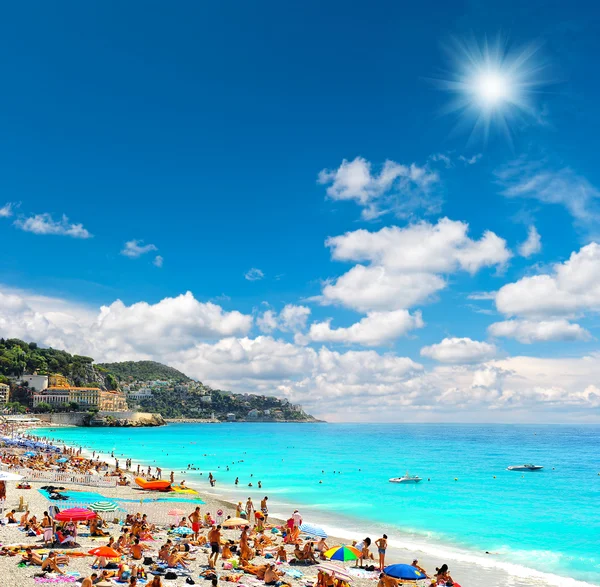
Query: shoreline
[403, 548]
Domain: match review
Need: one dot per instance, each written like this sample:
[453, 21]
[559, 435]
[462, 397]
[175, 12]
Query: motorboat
[525, 468]
[406, 479]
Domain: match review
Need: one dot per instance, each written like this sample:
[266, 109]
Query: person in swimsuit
[214, 538]
[264, 509]
[196, 521]
[415, 564]
[381, 545]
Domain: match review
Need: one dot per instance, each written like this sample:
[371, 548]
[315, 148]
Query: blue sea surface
[338, 474]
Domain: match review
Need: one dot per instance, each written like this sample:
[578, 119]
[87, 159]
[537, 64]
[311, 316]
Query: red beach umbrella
[105, 551]
[75, 515]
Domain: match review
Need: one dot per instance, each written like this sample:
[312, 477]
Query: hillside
[18, 357]
[144, 371]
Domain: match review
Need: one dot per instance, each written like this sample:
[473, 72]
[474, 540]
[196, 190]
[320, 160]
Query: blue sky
[221, 138]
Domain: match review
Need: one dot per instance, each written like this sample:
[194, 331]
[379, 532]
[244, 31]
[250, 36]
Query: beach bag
[190, 581]
[170, 576]
[148, 560]
[227, 566]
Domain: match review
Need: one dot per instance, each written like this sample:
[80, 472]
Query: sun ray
[492, 86]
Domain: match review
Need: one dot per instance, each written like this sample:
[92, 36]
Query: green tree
[43, 408]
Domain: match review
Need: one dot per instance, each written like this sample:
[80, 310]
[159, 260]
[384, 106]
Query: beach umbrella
[183, 531]
[336, 571]
[6, 476]
[175, 512]
[105, 551]
[104, 506]
[233, 522]
[75, 515]
[342, 553]
[406, 572]
[313, 530]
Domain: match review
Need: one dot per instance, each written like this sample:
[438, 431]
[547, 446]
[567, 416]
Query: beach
[467, 568]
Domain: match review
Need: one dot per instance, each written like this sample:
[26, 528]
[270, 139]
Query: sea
[337, 475]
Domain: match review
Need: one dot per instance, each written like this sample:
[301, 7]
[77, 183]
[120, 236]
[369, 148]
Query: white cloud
[405, 265]
[471, 160]
[208, 343]
[158, 261]
[375, 329]
[7, 210]
[136, 248]
[571, 287]
[254, 274]
[539, 181]
[291, 319]
[532, 245]
[401, 188]
[44, 224]
[459, 351]
[267, 322]
[530, 331]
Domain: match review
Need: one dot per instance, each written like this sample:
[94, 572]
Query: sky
[380, 211]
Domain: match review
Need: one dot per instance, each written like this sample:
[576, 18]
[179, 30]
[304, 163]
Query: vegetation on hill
[144, 371]
[18, 357]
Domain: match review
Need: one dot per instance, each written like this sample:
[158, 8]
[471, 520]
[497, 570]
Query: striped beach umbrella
[104, 506]
[313, 530]
[343, 553]
[336, 571]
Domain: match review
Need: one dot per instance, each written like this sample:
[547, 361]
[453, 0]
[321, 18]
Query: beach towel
[294, 573]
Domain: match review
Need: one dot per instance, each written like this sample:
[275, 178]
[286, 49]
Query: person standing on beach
[214, 538]
[249, 508]
[264, 509]
[172, 477]
[196, 521]
[297, 519]
[158, 473]
[381, 545]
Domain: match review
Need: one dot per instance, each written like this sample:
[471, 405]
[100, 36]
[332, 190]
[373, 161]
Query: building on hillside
[57, 380]
[35, 382]
[253, 414]
[85, 397]
[4, 393]
[141, 394]
[231, 417]
[56, 397]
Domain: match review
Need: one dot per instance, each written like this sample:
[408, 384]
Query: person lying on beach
[307, 551]
[32, 557]
[52, 564]
[256, 570]
[281, 554]
[89, 581]
[175, 559]
[322, 548]
[415, 564]
[387, 581]
[271, 575]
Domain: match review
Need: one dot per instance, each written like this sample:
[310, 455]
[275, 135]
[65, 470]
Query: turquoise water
[92, 497]
[548, 520]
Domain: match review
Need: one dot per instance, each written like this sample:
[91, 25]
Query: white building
[36, 382]
[56, 397]
[141, 394]
[4, 393]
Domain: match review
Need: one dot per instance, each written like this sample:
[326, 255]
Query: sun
[493, 87]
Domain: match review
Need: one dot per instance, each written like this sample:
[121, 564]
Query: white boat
[406, 479]
[525, 468]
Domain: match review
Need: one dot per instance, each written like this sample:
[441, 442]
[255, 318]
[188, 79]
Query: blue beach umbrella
[183, 531]
[313, 530]
[406, 572]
